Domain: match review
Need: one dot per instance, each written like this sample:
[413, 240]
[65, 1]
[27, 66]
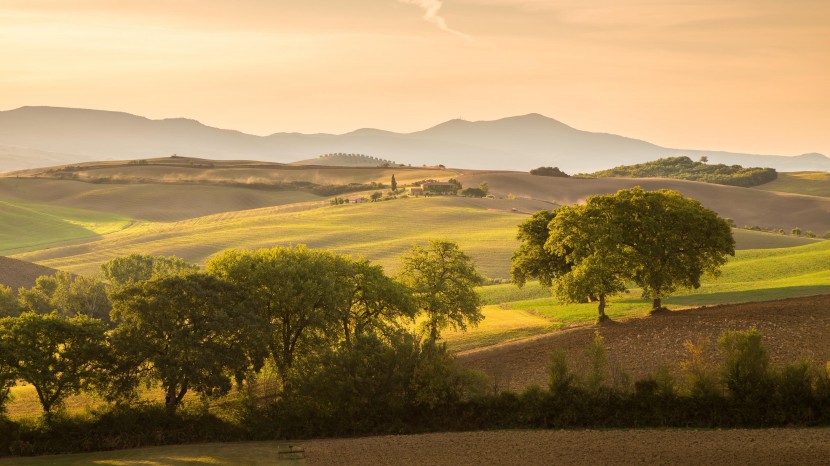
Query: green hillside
[810, 183]
[28, 226]
[485, 228]
[684, 168]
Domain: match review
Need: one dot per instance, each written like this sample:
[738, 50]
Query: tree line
[161, 321]
[684, 168]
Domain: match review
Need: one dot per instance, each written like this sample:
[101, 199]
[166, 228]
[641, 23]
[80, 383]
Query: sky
[737, 75]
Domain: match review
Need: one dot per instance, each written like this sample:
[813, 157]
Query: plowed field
[792, 329]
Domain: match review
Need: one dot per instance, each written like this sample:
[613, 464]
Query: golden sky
[739, 75]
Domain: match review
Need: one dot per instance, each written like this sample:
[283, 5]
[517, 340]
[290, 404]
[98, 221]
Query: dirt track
[792, 329]
[732, 447]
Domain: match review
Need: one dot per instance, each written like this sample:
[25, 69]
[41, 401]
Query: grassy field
[753, 275]
[382, 232]
[28, 226]
[249, 453]
[810, 183]
[378, 231]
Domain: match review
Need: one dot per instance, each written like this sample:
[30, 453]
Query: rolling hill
[808, 183]
[44, 135]
[16, 273]
[746, 206]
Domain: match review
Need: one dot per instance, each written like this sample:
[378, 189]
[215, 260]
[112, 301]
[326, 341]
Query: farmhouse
[440, 187]
[357, 199]
[416, 191]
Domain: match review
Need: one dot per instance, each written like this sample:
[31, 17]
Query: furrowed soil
[620, 447]
[792, 329]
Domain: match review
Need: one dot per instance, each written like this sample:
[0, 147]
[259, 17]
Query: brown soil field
[747, 206]
[156, 202]
[16, 273]
[178, 169]
[589, 447]
[792, 329]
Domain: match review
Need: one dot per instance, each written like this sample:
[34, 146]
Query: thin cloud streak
[431, 8]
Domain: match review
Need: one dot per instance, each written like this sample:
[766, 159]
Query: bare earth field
[747, 206]
[792, 329]
[619, 447]
[16, 273]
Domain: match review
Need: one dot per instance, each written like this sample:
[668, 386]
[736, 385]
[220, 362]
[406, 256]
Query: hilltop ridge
[33, 137]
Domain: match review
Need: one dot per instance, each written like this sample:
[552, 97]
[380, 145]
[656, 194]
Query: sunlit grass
[811, 183]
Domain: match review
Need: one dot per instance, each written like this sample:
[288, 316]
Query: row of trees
[161, 321]
[684, 168]
[658, 240]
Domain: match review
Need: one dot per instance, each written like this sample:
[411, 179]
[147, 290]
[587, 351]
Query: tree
[127, 270]
[704, 159]
[582, 241]
[668, 241]
[442, 279]
[375, 303]
[532, 259]
[394, 183]
[484, 187]
[58, 356]
[660, 240]
[375, 196]
[9, 306]
[68, 294]
[297, 292]
[188, 332]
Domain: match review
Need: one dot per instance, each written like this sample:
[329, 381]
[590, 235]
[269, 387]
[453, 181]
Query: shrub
[745, 371]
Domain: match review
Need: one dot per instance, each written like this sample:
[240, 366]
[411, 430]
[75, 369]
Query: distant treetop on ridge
[684, 168]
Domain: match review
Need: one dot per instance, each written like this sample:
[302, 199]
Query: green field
[753, 275]
[248, 453]
[28, 226]
[810, 183]
[382, 232]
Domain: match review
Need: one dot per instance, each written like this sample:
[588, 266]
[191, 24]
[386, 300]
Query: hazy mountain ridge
[40, 136]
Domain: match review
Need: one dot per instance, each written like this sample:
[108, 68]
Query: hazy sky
[741, 75]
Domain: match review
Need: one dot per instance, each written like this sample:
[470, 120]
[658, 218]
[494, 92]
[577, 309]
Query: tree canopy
[188, 332]
[442, 280]
[56, 355]
[659, 240]
[684, 168]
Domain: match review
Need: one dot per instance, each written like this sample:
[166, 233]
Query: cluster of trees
[658, 240]
[549, 171]
[684, 168]
[482, 191]
[161, 321]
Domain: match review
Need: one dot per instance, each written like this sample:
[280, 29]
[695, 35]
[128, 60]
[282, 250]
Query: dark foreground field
[619, 447]
[542, 447]
[792, 329]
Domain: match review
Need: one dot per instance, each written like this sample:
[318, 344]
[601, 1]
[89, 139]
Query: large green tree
[58, 356]
[189, 332]
[68, 294]
[669, 241]
[533, 259]
[127, 270]
[659, 240]
[297, 292]
[442, 280]
[9, 306]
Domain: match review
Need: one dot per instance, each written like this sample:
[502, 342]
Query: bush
[549, 171]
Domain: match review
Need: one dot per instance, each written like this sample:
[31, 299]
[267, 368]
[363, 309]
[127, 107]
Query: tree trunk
[657, 305]
[601, 309]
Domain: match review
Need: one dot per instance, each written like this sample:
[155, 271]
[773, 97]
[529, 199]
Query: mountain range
[32, 137]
